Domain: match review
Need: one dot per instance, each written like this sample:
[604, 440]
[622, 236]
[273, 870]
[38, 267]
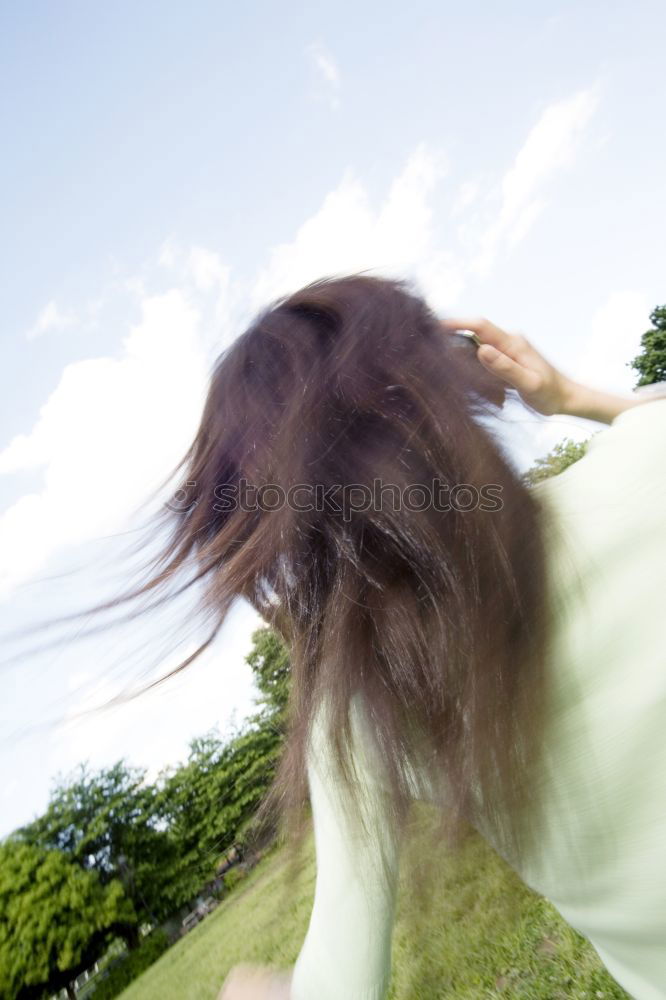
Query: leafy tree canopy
[651, 362]
[56, 919]
[109, 822]
[269, 660]
[564, 454]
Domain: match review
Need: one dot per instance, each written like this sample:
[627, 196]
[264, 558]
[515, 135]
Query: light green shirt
[602, 860]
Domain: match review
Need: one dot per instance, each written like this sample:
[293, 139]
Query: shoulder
[639, 430]
[624, 462]
[609, 508]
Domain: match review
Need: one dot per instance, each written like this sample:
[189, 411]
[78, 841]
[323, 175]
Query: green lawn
[486, 935]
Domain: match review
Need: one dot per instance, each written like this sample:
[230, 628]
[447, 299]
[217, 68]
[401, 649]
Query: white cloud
[25, 451]
[468, 193]
[550, 146]
[110, 431]
[206, 272]
[50, 318]
[327, 72]
[400, 237]
[207, 269]
[327, 67]
[614, 339]
[11, 786]
[114, 427]
[168, 253]
[203, 267]
[347, 235]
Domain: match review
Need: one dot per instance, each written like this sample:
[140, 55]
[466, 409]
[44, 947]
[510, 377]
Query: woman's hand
[255, 982]
[513, 359]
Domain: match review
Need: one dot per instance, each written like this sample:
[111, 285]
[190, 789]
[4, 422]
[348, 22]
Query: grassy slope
[486, 935]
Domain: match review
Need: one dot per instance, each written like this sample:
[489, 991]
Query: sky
[171, 168]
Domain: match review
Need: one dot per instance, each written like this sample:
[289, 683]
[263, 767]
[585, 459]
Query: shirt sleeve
[347, 950]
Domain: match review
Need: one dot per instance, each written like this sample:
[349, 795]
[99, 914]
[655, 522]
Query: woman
[505, 662]
[454, 635]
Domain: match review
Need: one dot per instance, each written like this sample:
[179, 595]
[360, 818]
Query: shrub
[233, 877]
[130, 966]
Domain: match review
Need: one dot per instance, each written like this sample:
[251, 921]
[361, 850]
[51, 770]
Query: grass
[485, 935]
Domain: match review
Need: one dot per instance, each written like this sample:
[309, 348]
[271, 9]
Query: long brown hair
[431, 608]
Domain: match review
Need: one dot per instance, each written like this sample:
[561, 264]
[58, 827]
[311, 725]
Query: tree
[109, 822]
[208, 801]
[651, 362]
[269, 660]
[161, 842]
[564, 454]
[55, 920]
[191, 798]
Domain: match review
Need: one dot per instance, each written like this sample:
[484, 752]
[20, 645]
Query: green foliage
[56, 919]
[210, 800]
[233, 877]
[130, 966]
[145, 849]
[651, 367]
[651, 362]
[109, 822]
[564, 454]
[269, 660]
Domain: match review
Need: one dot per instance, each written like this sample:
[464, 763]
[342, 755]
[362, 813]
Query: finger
[242, 981]
[486, 331]
[523, 379]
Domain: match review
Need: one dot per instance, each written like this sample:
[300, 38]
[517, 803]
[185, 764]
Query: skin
[512, 358]
[255, 982]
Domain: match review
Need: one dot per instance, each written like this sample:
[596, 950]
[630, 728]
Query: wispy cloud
[114, 426]
[106, 436]
[50, 318]
[327, 71]
[551, 146]
[468, 193]
[348, 234]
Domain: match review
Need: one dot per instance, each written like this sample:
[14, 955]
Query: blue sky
[169, 168]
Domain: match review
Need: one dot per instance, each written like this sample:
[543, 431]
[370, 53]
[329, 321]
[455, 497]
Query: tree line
[113, 853]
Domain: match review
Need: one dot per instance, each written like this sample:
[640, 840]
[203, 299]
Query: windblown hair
[436, 619]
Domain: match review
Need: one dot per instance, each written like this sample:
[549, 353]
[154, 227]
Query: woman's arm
[346, 954]
[347, 950]
[582, 401]
[512, 358]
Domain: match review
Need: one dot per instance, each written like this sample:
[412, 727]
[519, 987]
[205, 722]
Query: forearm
[346, 954]
[539, 384]
[593, 404]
